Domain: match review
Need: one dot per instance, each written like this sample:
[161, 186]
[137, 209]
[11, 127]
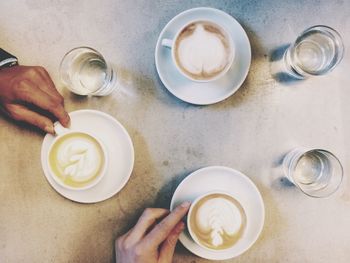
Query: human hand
[149, 242]
[27, 90]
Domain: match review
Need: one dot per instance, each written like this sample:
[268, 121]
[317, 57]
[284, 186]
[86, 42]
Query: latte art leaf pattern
[76, 159]
[76, 163]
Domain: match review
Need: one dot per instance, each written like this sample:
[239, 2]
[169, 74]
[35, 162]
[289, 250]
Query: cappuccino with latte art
[216, 221]
[76, 160]
[203, 50]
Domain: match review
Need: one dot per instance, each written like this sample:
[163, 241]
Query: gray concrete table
[249, 131]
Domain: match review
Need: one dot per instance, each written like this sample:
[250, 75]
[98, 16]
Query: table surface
[250, 131]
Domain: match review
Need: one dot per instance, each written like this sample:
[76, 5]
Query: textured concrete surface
[250, 131]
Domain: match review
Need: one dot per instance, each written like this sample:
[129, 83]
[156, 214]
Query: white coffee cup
[216, 221]
[229, 58]
[75, 159]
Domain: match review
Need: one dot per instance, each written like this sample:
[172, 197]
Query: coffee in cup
[77, 160]
[202, 50]
[216, 221]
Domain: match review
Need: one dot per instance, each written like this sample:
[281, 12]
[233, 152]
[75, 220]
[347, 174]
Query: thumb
[168, 247]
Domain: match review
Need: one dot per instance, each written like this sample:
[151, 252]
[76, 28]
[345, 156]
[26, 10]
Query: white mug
[60, 132]
[169, 43]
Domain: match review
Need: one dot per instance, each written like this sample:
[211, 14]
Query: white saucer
[241, 187]
[119, 147]
[211, 92]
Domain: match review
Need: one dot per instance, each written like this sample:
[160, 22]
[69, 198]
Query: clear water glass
[316, 51]
[316, 172]
[84, 71]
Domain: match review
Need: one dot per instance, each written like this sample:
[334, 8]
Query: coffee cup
[202, 50]
[216, 221]
[76, 160]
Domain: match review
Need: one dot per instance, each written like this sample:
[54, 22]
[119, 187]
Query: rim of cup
[296, 159]
[193, 236]
[227, 35]
[97, 179]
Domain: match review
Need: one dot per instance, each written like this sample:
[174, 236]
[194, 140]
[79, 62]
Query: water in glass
[315, 52]
[85, 72]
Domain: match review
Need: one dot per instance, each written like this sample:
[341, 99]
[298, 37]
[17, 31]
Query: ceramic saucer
[231, 181]
[210, 92]
[119, 147]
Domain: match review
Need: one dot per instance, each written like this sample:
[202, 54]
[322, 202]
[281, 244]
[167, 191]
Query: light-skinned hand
[149, 242]
[27, 93]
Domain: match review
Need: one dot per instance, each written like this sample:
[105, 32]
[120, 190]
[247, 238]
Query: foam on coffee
[218, 221]
[76, 159]
[202, 50]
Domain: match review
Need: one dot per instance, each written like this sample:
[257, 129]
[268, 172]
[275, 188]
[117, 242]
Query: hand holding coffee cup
[216, 221]
[202, 50]
[77, 160]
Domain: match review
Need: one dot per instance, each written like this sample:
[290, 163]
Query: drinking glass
[316, 51]
[85, 72]
[316, 172]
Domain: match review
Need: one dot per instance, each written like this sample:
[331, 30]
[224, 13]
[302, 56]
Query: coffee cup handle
[59, 129]
[167, 43]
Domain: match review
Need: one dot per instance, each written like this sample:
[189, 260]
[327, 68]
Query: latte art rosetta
[76, 159]
[218, 221]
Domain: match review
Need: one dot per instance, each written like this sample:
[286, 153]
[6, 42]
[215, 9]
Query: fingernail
[65, 123]
[68, 123]
[186, 204]
[49, 129]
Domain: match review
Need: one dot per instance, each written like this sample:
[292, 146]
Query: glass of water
[316, 51]
[316, 172]
[85, 72]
